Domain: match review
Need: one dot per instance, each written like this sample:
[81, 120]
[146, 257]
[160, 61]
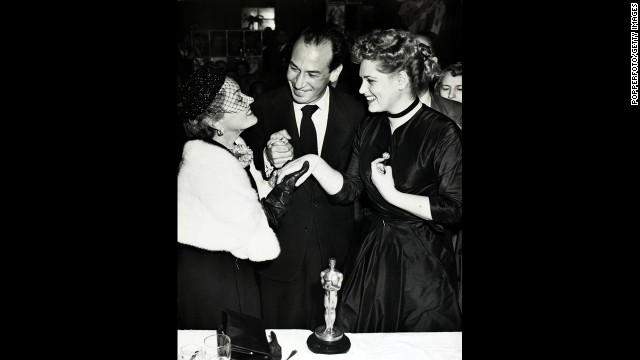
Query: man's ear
[335, 73]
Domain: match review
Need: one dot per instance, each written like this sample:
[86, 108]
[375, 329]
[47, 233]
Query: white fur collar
[218, 210]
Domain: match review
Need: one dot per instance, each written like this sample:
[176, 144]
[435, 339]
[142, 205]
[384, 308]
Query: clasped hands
[280, 154]
[279, 150]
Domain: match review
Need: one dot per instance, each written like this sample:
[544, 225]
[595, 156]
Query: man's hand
[279, 150]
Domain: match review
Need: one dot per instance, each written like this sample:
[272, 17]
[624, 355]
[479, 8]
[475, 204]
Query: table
[364, 346]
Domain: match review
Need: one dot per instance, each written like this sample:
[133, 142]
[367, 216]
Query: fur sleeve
[218, 210]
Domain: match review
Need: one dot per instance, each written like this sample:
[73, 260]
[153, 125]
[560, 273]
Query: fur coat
[218, 209]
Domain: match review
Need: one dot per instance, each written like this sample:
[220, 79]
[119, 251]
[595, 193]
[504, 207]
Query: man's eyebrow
[308, 72]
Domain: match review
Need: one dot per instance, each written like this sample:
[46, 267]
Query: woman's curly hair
[395, 50]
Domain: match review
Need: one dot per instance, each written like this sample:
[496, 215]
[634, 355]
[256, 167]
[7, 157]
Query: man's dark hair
[320, 33]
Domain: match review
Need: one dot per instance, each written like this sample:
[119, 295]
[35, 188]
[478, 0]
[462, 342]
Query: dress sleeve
[352, 184]
[446, 206]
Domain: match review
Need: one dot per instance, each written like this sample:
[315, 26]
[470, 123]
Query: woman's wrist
[392, 196]
[330, 179]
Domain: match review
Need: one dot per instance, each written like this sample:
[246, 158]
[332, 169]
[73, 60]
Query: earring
[219, 132]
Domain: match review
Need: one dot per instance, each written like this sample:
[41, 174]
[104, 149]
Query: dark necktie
[308, 131]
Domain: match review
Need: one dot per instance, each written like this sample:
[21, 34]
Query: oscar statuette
[328, 338]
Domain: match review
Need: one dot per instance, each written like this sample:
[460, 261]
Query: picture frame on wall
[335, 13]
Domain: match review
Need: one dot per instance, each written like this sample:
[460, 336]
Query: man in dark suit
[313, 230]
[452, 109]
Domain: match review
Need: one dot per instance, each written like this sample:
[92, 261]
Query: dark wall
[449, 39]
[291, 15]
[294, 15]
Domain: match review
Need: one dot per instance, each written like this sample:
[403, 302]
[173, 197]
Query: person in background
[349, 81]
[185, 59]
[306, 116]
[408, 158]
[270, 59]
[452, 109]
[222, 64]
[243, 76]
[257, 87]
[226, 211]
[275, 58]
[450, 83]
[284, 49]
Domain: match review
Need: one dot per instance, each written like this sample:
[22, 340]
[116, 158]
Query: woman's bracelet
[273, 179]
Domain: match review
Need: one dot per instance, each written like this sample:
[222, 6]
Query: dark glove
[276, 350]
[275, 204]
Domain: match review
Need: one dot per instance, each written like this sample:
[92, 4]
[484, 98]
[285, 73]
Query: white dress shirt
[319, 117]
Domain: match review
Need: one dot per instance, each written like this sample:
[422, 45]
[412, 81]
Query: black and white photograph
[319, 180]
[294, 190]
[322, 189]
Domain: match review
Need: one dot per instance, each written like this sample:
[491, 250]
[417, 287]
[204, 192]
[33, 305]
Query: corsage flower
[243, 153]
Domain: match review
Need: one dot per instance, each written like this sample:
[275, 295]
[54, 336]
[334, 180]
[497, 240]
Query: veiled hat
[197, 94]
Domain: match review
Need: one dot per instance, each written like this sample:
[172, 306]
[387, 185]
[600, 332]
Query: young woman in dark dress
[404, 277]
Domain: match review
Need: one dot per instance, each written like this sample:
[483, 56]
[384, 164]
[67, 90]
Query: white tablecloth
[370, 346]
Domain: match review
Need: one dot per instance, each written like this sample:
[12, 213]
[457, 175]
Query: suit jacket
[452, 109]
[310, 215]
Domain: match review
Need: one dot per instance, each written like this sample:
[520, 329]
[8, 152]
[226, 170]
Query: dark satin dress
[404, 277]
[211, 281]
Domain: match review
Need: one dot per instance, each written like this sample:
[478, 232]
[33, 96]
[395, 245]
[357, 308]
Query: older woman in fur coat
[226, 211]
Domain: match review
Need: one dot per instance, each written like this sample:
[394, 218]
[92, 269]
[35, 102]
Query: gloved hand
[276, 350]
[275, 204]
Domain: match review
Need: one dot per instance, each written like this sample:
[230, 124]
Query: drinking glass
[217, 347]
[191, 352]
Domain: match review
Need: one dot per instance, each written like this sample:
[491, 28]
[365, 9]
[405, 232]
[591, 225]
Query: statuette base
[325, 347]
